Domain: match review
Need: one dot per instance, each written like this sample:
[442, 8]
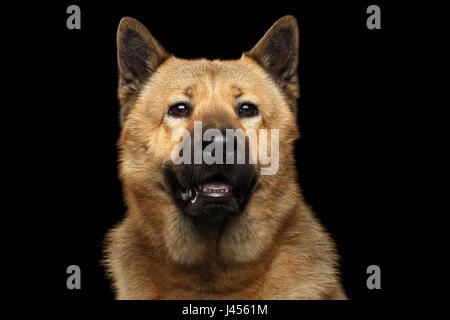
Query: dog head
[195, 110]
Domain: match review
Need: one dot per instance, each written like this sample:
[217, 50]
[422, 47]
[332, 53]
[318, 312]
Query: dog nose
[223, 140]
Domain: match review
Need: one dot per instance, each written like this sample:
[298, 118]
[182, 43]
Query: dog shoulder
[126, 261]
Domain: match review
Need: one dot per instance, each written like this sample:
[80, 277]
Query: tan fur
[276, 249]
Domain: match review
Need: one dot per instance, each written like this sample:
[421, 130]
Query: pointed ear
[139, 55]
[277, 53]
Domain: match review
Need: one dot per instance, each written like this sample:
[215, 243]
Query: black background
[344, 156]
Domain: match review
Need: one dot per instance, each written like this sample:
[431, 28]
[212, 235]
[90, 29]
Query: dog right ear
[139, 55]
[277, 53]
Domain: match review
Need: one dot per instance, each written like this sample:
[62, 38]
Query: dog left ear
[277, 53]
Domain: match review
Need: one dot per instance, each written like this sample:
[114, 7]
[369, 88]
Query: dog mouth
[203, 192]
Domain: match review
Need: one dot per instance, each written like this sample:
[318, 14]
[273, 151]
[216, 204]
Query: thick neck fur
[144, 269]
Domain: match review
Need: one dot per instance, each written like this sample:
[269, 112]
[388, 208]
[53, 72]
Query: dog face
[201, 211]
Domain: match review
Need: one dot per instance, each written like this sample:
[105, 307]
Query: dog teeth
[215, 190]
[195, 197]
[192, 194]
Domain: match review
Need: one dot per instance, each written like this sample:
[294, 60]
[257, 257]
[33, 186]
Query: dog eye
[179, 110]
[247, 110]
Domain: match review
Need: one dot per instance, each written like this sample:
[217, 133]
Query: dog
[220, 230]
